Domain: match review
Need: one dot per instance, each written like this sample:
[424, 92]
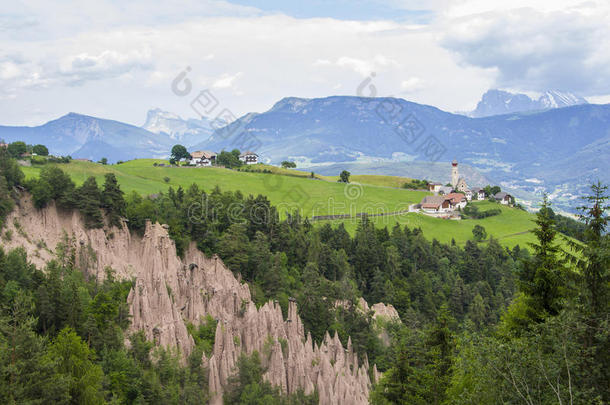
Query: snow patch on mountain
[497, 102]
[188, 132]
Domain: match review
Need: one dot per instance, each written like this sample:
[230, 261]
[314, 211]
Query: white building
[249, 158]
[503, 198]
[478, 192]
[202, 158]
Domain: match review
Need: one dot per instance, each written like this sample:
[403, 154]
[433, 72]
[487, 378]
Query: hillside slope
[308, 196]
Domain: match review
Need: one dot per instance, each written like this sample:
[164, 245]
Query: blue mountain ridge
[558, 151]
[83, 136]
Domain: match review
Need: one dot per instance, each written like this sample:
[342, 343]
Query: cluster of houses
[205, 158]
[447, 199]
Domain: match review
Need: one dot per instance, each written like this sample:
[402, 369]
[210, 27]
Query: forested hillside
[480, 323]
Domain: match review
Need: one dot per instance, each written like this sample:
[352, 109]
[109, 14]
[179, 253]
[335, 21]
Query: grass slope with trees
[291, 189]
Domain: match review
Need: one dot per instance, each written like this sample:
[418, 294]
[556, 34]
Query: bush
[40, 150]
[472, 211]
[479, 233]
[416, 184]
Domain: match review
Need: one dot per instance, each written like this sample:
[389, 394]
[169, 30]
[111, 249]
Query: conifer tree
[113, 200]
[543, 278]
[90, 203]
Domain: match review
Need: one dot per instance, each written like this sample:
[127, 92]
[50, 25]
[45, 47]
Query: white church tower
[455, 177]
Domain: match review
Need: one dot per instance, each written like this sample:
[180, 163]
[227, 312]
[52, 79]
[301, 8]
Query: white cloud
[9, 70]
[226, 81]
[411, 84]
[363, 67]
[560, 45]
[125, 56]
[107, 64]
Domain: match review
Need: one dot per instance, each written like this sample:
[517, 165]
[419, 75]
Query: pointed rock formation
[170, 291]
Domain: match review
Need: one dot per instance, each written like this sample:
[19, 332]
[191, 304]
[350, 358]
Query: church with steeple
[458, 183]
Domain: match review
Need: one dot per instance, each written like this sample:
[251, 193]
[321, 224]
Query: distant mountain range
[186, 132]
[497, 102]
[88, 137]
[557, 150]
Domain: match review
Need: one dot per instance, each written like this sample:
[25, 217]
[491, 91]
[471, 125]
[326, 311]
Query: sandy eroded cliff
[169, 291]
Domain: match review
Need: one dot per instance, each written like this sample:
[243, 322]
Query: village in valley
[450, 200]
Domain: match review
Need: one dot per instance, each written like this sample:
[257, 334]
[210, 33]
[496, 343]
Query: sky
[116, 59]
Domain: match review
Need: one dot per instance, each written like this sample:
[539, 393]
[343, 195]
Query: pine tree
[90, 203]
[113, 201]
[543, 278]
[593, 257]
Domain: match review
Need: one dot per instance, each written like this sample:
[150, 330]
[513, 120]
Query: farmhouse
[436, 203]
[202, 158]
[478, 193]
[434, 187]
[249, 158]
[503, 198]
[457, 200]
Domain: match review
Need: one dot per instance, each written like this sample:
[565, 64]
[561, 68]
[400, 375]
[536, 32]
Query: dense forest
[479, 323]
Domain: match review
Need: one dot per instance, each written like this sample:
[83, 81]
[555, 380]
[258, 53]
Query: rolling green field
[289, 192]
[511, 227]
[292, 189]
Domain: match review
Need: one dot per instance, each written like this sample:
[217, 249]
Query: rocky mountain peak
[496, 102]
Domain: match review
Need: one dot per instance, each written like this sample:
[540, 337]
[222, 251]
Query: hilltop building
[503, 198]
[459, 183]
[434, 187]
[202, 158]
[249, 158]
[478, 192]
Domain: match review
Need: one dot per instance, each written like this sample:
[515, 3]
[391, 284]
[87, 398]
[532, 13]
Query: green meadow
[512, 227]
[293, 189]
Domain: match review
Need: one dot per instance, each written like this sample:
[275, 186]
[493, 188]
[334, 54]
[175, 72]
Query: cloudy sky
[117, 59]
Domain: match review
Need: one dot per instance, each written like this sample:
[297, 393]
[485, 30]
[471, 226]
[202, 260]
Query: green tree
[75, 361]
[288, 164]
[344, 176]
[40, 150]
[53, 184]
[90, 201]
[544, 278]
[27, 373]
[229, 159]
[479, 233]
[103, 161]
[112, 200]
[593, 257]
[179, 152]
[16, 149]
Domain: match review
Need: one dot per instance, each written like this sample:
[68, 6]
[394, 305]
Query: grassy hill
[512, 227]
[323, 195]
